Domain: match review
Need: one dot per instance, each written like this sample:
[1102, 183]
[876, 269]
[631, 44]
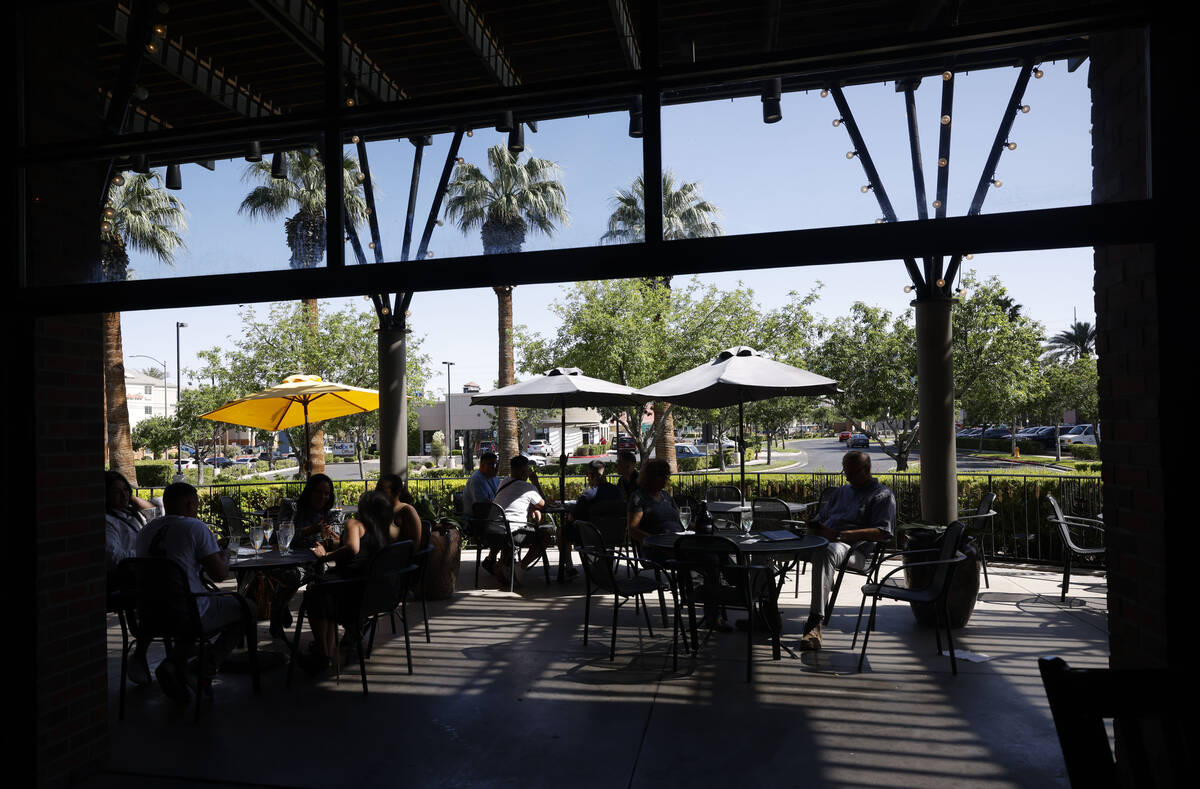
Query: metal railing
[1020, 530]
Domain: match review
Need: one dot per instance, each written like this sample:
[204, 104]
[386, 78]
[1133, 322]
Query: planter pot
[964, 586]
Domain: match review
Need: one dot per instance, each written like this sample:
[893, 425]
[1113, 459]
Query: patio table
[750, 545]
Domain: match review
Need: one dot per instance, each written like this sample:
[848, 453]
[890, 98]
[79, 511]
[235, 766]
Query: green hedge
[1084, 451]
[154, 472]
[1001, 445]
[590, 449]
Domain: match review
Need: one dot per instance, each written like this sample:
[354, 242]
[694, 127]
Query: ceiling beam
[173, 57]
[304, 24]
[482, 40]
[1054, 228]
[626, 34]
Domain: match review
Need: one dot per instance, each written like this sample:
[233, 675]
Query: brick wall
[1133, 298]
[71, 691]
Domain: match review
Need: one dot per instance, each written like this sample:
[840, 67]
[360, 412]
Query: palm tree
[686, 214]
[1076, 342]
[303, 190]
[144, 217]
[518, 198]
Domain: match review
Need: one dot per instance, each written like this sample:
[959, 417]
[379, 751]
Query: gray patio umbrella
[738, 375]
[562, 388]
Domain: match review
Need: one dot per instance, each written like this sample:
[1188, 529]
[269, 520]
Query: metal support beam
[914, 146]
[876, 184]
[414, 182]
[131, 62]
[440, 194]
[173, 57]
[652, 211]
[935, 396]
[480, 38]
[626, 35]
[305, 25]
[335, 174]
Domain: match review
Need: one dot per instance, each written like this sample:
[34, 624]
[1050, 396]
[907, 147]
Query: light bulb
[937, 203]
[945, 120]
[837, 122]
[946, 75]
[385, 310]
[371, 245]
[1025, 108]
[470, 132]
[942, 162]
[354, 139]
[960, 293]
[160, 30]
[152, 47]
[864, 188]
[1038, 73]
[941, 283]
[851, 154]
[109, 213]
[118, 179]
[361, 177]
[908, 288]
[824, 92]
[1012, 146]
[970, 256]
[996, 182]
[879, 221]
[460, 160]
[105, 226]
[349, 101]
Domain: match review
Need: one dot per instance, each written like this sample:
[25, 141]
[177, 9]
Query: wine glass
[746, 522]
[283, 536]
[268, 525]
[256, 538]
[235, 542]
[685, 516]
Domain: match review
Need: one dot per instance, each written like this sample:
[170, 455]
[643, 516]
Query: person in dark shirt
[651, 508]
[627, 475]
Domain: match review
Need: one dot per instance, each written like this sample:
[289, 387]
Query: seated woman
[327, 603]
[651, 508]
[406, 521]
[313, 522]
[124, 515]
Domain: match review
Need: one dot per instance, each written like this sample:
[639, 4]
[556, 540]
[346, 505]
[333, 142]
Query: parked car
[626, 442]
[859, 440]
[997, 432]
[219, 462]
[536, 460]
[186, 463]
[541, 447]
[1080, 434]
[688, 451]
[844, 435]
[485, 446]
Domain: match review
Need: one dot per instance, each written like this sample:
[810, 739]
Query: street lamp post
[449, 431]
[166, 410]
[178, 394]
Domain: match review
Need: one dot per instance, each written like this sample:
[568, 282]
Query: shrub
[590, 449]
[154, 473]
[730, 460]
[1084, 451]
[1001, 445]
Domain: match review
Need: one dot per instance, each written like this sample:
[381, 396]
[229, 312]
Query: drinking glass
[256, 538]
[283, 536]
[746, 523]
[685, 516]
[235, 542]
[268, 525]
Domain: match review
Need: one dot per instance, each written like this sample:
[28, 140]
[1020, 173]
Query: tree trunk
[664, 444]
[316, 433]
[506, 443]
[116, 410]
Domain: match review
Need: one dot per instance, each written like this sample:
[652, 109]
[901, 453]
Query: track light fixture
[253, 152]
[772, 89]
[278, 166]
[141, 164]
[636, 127]
[174, 177]
[504, 123]
[516, 138]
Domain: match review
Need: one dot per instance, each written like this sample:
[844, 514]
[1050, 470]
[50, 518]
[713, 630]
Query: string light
[946, 76]
[361, 177]
[118, 179]
[349, 101]
[470, 132]
[879, 220]
[864, 188]
[1012, 146]
[824, 92]
[105, 226]
[937, 203]
[970, 256]
[354, 139]
[945, 120]
[941, 283]
[152, 47]
[851, 154]
[837, 122]
[109, 212]
[996, 182]
[460, 160]
[371, 245]
[160, 30]
[1025, 108]
[908, 288]
[1038, 73]
[942, 162]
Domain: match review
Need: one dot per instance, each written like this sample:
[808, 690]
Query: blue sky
[788, 175]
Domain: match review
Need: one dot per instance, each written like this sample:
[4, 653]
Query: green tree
[602, 331]
[156, 433]
[686, 214]
[1077, 342]
[872, 355]
[519, 197]
[1067, 385]
[141, 216]
[203, 434]
[303, 191]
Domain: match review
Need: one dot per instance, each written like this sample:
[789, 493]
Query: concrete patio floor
[507, 695]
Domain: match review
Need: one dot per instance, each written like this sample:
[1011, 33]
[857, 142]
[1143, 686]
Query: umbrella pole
[307, 443]
[742, 445]
[562, 460]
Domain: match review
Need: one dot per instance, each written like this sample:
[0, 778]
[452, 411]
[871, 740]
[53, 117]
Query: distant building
[147, 396]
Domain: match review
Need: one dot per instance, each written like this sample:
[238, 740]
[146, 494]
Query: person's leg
[224, 613]
[824, 564]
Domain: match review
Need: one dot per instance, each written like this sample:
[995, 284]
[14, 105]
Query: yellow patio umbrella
[298, 400]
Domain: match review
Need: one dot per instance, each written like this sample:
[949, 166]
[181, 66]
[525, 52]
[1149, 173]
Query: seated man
[627, 474]
[598, 489]
[180, 536]
[863, 510]
[481, 486]
[522, 502]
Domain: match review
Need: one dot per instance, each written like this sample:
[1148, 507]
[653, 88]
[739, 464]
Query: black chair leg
[983, 560]
[478, 556]
[362, 662]
[646, 613]
[837, 585]
[295, 645]
[201, 680]
[950, 638]
[867, 635]
[858, 622]
[1066, 581]
[252, 651]
[749, 638]
[424, 610]
[404, 623]
[124, 665]
[612, 650]
[587, 610]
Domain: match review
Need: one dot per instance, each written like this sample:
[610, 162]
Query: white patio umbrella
[562, 388]
[738, 375]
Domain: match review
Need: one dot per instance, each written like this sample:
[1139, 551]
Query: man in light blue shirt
[858, 514]
[482, 484]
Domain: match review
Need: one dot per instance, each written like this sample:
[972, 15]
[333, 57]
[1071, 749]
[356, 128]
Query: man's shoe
[811, 641]
[139, 671]
[172, 683]
[489, 564]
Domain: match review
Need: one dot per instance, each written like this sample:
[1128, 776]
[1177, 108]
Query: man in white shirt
[522, 502]
[188, 541]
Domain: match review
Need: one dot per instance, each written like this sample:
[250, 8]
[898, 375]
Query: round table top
[748, 543]
[272, 558]
[724, 507]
